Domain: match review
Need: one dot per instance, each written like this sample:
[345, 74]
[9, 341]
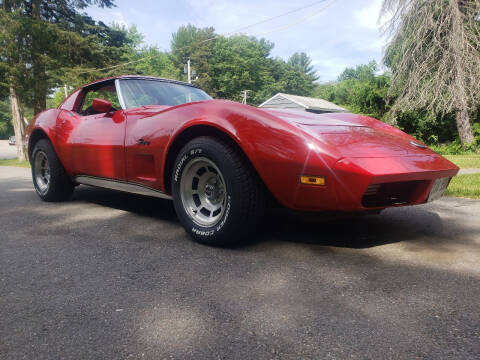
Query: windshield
[139, 92]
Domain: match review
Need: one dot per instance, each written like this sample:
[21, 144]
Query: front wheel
[217, 195]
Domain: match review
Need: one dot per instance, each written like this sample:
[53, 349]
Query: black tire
[243, 195]
[59, 187]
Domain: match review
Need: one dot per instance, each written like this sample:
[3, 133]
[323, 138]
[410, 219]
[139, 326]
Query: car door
[144, 144]
[151, 119]
[146, 134]
[93, 141]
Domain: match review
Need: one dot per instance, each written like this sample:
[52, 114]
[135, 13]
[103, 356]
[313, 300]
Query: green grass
[465, 161]
[14, 162]
[467, 186]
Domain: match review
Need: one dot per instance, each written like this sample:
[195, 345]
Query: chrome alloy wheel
[203, 192]
[41, 170]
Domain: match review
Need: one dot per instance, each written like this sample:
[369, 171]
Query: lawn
[467, 186]
[465, 161]
[14, 162]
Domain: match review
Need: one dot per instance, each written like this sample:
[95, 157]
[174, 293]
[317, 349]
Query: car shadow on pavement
[359, 231]
[417, 227]
[143, 205]
[417, 224]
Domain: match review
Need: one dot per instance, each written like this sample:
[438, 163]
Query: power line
[305, 18]
[234, 32]
[277, 16]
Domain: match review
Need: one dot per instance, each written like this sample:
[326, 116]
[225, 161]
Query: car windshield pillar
[119, 94]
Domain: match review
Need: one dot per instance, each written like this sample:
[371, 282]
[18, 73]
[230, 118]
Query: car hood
[354, 135]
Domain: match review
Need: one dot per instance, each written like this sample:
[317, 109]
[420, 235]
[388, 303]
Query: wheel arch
[37, 135]
[191, 133]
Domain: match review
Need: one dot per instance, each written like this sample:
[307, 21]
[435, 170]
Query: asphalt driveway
[114, 276]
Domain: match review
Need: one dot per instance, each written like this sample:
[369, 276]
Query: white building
[287, 101]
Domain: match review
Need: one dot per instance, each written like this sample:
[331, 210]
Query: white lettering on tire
[195, 151]
[218, 227]
[225, 217]
[203, 233]
[183, 159]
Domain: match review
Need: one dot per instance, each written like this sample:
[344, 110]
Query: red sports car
[220, 160]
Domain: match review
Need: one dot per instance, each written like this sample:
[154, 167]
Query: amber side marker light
[312, 180]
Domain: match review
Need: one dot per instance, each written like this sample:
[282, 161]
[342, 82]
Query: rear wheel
[50, 180]
[216, 193]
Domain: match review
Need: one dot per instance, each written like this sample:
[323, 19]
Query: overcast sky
[345, 33]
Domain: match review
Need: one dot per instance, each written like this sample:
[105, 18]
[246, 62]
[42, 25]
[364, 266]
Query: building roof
[307, 102]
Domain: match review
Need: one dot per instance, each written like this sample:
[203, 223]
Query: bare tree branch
[434, 53]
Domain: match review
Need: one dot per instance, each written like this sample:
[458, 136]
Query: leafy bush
[427, 127]
[359, 90]
[6, 128]
[455, 147]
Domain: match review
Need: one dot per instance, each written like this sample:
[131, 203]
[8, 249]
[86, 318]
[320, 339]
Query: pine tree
[40, 41]
[304, 63]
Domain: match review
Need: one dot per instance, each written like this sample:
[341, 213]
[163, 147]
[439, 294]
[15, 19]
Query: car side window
[106, 92]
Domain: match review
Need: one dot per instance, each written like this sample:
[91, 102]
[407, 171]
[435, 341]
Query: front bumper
[400, 181]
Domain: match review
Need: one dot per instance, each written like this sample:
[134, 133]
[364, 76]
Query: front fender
[279, 151]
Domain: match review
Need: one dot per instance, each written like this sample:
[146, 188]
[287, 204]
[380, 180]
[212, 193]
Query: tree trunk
[462, 109]
[464, 127]
[38, 66]
[18, 125]
[39, 87]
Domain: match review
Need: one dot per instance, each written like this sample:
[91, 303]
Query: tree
[303, 61]
[56, 99]
[196, 44]
[434, 54]
[240, 63]
[45, 41]
[40, 42]
[288, 79]
[156, 63]
[12, 30]
[6, 127]
[48, 36]
[358, 89]
[364, 72]
[243, 63]
[143, 59]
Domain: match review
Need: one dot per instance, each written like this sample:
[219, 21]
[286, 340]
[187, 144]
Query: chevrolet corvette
[220, 161]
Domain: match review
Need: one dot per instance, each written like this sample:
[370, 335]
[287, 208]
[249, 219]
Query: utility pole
[188, 72]
[244, 96]
[65, 89]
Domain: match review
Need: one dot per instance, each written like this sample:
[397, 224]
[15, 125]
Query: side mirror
[101, 105]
